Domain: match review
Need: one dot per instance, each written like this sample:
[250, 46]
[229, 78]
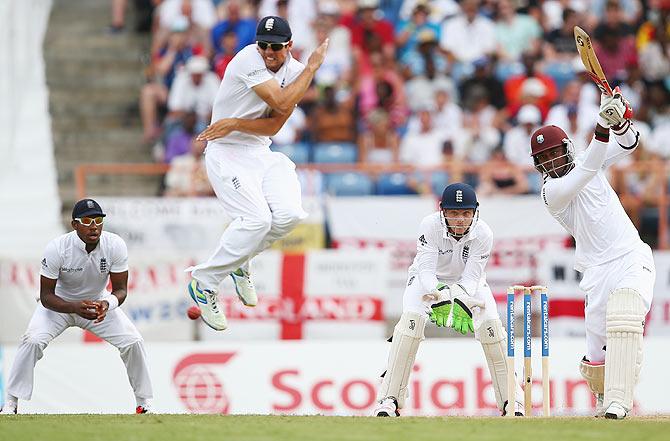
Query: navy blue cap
[87, 208]
[273, 29]
[458, 196]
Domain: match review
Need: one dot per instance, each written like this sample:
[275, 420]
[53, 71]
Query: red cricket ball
[193, 313]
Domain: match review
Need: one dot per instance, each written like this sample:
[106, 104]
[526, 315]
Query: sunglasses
[274, 46]
[88, 221]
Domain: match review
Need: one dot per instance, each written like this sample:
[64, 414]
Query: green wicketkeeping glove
[462, 320]
[440, 312]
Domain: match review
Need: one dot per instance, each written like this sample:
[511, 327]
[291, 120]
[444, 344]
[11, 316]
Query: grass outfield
[295, 428]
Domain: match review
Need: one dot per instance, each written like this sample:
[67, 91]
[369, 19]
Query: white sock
[142, 402]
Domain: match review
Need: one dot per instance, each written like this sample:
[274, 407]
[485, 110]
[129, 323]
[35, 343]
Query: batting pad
[407, 335]
[492, 335]
[623, 356]
[594, 374]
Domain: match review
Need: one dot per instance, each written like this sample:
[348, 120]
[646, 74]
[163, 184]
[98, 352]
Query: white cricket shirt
[585, 204]
[82, 275]
[449, 260]
[236, 98]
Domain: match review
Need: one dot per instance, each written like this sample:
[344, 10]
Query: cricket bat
[590, 61]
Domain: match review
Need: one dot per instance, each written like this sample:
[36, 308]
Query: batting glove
[614, 110]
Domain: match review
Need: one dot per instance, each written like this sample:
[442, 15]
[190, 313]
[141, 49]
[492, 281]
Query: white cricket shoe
[388, 407]
[207, 302]
[615, 411]
[600, 405]
[10, 408]
[246, 291]
[518, 409]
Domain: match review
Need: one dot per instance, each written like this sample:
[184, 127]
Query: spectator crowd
[442, 84]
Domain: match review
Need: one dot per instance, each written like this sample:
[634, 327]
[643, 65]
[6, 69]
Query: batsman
[616, 265]
[447, 285]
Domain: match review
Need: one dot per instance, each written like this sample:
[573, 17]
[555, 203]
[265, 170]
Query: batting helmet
[545, 138]
[549, 137]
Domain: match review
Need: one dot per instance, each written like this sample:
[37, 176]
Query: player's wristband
[111, 300]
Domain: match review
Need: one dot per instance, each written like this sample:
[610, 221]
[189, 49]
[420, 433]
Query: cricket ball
[193, 313]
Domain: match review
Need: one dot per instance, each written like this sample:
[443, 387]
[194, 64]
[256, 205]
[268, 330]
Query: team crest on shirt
[103, 265]
[423, 241]
[466, 252]
[540, 139]
[44, 263]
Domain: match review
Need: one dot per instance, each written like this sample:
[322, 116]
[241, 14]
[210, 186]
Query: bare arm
[284, 100]
[119, 290]
[49, 299]
[260, 126]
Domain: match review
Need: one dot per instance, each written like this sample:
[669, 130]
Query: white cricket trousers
[634, 270]
[45, 325]
[260, 191]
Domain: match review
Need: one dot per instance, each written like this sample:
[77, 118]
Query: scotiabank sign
[307, 377]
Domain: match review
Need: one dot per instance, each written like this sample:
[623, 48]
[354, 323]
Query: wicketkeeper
[617, 267]
[447, 285]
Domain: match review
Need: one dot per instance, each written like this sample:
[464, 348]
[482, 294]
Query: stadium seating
[438, 181]
[394, 184]
[349, 184]
[335, 152]
[562, 73]
[298, 152]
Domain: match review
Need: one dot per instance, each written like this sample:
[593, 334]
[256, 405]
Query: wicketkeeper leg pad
[623, 357]
[492, 337]
[407, 335]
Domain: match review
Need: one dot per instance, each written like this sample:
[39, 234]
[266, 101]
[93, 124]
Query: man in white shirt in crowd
[75, 270]
[515, 144]
[617, 267]
[194, 88]
[259, 189]
[447, 283]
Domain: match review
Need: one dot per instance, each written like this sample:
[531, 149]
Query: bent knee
[288, 217]
[260, 222]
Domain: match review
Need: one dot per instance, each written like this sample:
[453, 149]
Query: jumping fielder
[447, 283]
[617, 267]
[75, 269]
[258, 188]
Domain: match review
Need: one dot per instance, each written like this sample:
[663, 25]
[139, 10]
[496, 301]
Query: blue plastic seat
[394, 184]
[562, 73]
[335, 152]
[349, 184]
[438, 182]
[298, 152]
[503, 71]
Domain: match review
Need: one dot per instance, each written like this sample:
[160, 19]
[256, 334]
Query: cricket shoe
[518, 409]
[615, 411]
[388, 407]
[143, 409]
[9, 409]
[246, 291]
[207, 302]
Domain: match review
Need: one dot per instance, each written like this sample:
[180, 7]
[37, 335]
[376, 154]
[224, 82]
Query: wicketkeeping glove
[440, 310]
[460, 316]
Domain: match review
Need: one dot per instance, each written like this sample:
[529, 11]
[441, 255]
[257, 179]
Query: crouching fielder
[75, 270]
[447, 284]
[618, 268]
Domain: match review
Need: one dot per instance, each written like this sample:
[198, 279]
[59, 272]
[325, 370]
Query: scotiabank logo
[198, 386]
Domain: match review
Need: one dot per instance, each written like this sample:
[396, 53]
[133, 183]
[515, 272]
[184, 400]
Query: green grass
[279, 428]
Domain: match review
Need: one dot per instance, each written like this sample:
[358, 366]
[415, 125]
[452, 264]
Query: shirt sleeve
[51, 262]
[120, 258]
[426, 255]
[626, 141]
[480, 252]
[252, 70]
[557, 193]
